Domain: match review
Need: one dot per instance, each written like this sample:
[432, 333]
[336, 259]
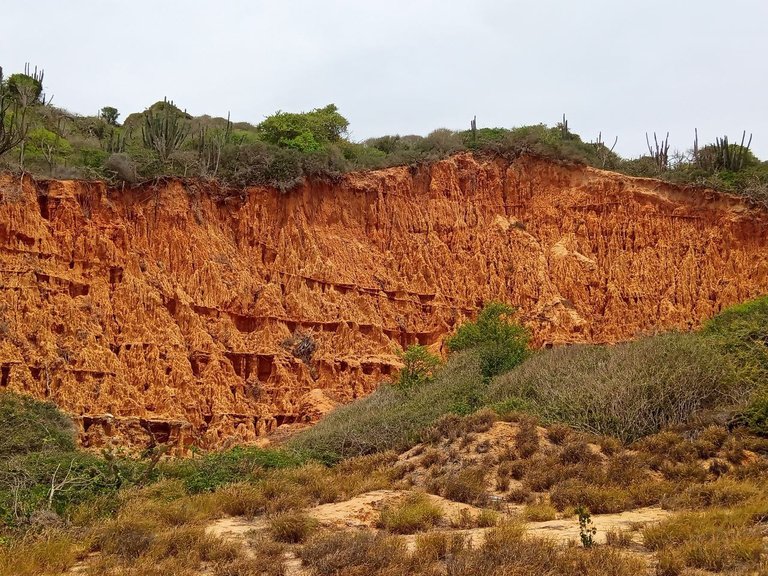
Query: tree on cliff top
[12, 124]
[305, 131]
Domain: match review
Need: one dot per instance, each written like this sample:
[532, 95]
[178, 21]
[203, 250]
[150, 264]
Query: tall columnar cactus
[722, 155]
[731, 157]
[660, 151]
[164, 131]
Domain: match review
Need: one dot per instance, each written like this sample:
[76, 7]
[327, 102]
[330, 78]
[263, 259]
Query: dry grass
[618, 538]
[53, 551]
[598, 499]
[539, 512]
[352, 552]
[465, 485]
[434, 546]
[717, 539]
[527, 438]
[507, 550]
[415, 513]
[724, 492]
[291, 527]
[487, 519]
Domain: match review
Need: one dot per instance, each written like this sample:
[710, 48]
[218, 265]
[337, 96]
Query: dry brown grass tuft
[291, 527]
[51, 552]
[466, 485]
[507, 550]
[519, 496]
[559, 434]
[527, 437]
[598, 499]
[539, 512]
[724, 492]
[352, 552]
[618, 538]
[480, 421]
[436, 546]
[414, 514]
[715, 540]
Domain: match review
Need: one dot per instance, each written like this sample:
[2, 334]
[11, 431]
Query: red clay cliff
[165, 313]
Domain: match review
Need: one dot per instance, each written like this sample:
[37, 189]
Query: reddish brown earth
[163, 311]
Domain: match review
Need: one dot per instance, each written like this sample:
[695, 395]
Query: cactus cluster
[722, 155]
[659, 152]
[164, 131]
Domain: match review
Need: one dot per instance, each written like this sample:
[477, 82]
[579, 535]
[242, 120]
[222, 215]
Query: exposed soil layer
[177, 313]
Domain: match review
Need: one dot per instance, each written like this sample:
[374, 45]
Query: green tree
[109, 115]
[418, 366]
[501, 344]
[13, 124]
[305, 131]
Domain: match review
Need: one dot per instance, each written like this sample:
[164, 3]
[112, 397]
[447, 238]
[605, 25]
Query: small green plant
[586, 530]
[500, 344]
[418, 366]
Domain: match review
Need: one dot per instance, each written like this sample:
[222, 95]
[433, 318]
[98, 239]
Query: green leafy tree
[109, 115]
[501, 344]
[13, 123]
[25, 88]
[418, 366]
[305, 131]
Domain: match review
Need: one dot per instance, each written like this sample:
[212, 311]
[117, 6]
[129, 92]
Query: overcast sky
[622, 67]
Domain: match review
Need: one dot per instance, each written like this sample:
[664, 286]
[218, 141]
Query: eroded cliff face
[165, 313]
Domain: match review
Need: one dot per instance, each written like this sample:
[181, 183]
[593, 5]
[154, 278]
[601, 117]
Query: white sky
[622, 67]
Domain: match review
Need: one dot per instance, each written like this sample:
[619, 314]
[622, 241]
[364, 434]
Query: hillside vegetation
[452, 468]
[287, 147]
[626, 391]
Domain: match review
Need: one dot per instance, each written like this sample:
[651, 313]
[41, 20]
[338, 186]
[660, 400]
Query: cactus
[164, 132]
[722, 155]
[115, 143]
[731, 157]
[210, 145]
[660, 153]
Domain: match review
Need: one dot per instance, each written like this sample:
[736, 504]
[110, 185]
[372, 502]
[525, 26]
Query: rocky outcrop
[174, 312]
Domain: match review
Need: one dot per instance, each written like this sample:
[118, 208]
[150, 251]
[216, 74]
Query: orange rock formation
[166, 312]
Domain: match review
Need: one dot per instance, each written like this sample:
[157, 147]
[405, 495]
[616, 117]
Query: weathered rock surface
[166, 311]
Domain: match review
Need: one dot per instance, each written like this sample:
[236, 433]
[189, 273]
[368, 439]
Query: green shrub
[28, 425]
[215, 469]
[418, 366]
[501, 345]
[391, 418]
[628, 391]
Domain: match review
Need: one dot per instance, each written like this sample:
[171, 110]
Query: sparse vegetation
[414, 514]
[291, 527]
[288, 147]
